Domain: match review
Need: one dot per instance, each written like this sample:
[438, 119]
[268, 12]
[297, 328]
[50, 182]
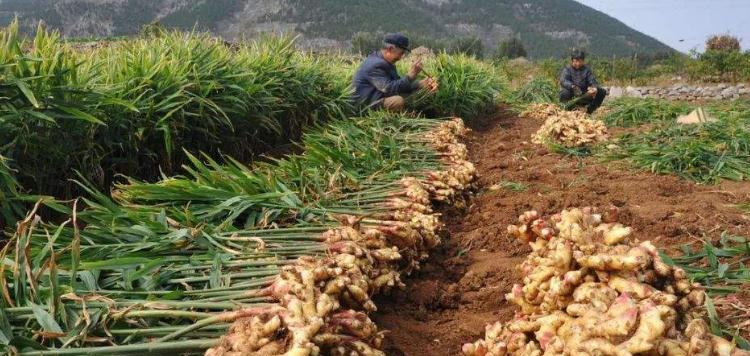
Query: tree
[510, 49]
[722, 59]
[723, 43]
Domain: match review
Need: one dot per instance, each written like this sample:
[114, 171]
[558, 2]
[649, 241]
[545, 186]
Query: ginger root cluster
[566, 128]
[591, 288]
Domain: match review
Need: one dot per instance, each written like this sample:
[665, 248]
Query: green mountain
[546, 27]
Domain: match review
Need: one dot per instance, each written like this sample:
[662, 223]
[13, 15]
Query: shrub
[723, 43]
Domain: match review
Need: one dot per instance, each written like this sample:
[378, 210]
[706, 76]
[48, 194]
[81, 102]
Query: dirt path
[462, 287]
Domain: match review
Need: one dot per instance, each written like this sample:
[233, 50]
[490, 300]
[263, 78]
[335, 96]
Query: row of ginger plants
[135, 107]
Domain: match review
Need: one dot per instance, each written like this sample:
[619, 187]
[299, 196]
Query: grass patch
[583, 151]
[722, 269]
[510, 185]
[704, 153]
[629, 112]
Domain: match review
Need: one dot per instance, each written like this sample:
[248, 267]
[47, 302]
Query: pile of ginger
[590, 288]
[566, 128]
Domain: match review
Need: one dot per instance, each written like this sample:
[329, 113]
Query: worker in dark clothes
[577, 79]
[377, 83]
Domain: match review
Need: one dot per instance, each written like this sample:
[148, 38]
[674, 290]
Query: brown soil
[462, 287]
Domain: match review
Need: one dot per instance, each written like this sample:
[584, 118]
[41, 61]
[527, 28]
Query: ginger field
[172, 194]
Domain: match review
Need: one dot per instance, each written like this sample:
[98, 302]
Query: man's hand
[592, 91]
[577, 91]
[429, 84]
[416, 68]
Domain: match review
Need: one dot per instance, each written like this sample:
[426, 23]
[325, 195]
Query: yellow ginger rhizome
[591, 288]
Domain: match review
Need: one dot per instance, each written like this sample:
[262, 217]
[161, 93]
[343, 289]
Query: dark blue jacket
[582, 78]
[376, 79]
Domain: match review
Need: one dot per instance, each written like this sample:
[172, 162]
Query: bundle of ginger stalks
[323, 301]
[565, 128]
[591, 288]
[295, 275]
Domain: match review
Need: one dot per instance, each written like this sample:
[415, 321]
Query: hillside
[547, 27]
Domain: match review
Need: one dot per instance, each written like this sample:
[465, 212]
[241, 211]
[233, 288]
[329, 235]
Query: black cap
[398, 40]
[578, 54]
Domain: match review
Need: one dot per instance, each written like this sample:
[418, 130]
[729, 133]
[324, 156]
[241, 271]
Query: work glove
[577, 91]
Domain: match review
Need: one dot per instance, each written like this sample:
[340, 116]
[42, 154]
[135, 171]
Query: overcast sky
[673, 20]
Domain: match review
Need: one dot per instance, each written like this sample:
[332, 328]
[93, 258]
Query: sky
[673, 20]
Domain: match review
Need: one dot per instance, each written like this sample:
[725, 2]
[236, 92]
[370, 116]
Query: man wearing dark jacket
[577, 79]
[377, 83]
